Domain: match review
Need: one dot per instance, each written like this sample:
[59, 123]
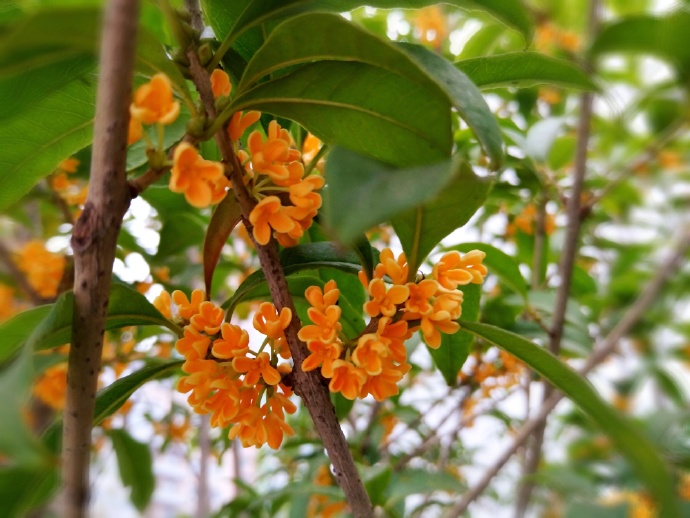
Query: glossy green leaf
[180, 232]
[229, 21]
[16, 330]
[524, 70]
[32, 149]
[136, 467]
[421, 229]
[33, 86]
[342, 405]
[330, 98]
[465, 97]
[662, 36]
[307, 256]
[631, 443]
[127, 307]
[454, 349]
[54, 34]
[363, 192]
[225, 218]
[500, 264]
[331, 38]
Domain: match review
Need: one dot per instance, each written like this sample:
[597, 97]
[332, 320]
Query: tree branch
[605, 348]
[565, 268]
[93, 241]
[307, 385]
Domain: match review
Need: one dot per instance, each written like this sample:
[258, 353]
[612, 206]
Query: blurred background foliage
[418, 452]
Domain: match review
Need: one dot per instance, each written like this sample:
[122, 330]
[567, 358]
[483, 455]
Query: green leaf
[422, 228]
[32, 86]
[179, 232]
[524, 70]
[23, 489]
[363, 192]
[454, 349]
[342, 405]
[330, 98]
[631, 443]
[32, 149]
[127, 307]
[307, 256]
[136, 467]
[662, 36]
[17, 441]
[421, 481]
[231, 20]
[331, 38]
[16, 330]
[498, 263]
[225, 218]
[465, 97]
[376, 481]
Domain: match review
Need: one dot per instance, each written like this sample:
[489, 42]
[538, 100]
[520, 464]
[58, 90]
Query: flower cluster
[374, 362]
[274, 174]
[43, 269]
[225, 378]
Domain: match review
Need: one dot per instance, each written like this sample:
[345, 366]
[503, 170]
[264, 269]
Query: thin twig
[565, 269]
[308, 386]
[93, 241]
[605, 348]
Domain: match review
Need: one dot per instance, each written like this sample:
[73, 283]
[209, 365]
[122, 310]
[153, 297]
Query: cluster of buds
[374, 362]
[238, 386]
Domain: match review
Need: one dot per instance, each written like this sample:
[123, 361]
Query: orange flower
[420, 296]
[69, 165]
[369, 353]
[269, 322]
[384, 301]
[7, 305]
[394, 335]
[347, 379]
[154, 102]
[322, 354]
[302, 194]
[208, 319]
[202, 181]
[234, 342]
[455, 269]
[255, 368]
[385, 384]
[193, 345]
[163, 303]
[43, 269]
[271, 156]
[51, 386]
[224, 404]
[134, 131]
[326, 325]
[269, 213]
[396, 269]
[320, 300]
[220, 83]
[240, 122]
[186, 308]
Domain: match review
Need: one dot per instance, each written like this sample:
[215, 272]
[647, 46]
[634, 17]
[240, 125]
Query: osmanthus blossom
[203, 182]
[225, 378]
[154, 102]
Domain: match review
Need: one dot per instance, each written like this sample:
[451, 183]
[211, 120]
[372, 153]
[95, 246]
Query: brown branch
[605, 348]
[565, 269]
[307, 385]
[93, 241]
